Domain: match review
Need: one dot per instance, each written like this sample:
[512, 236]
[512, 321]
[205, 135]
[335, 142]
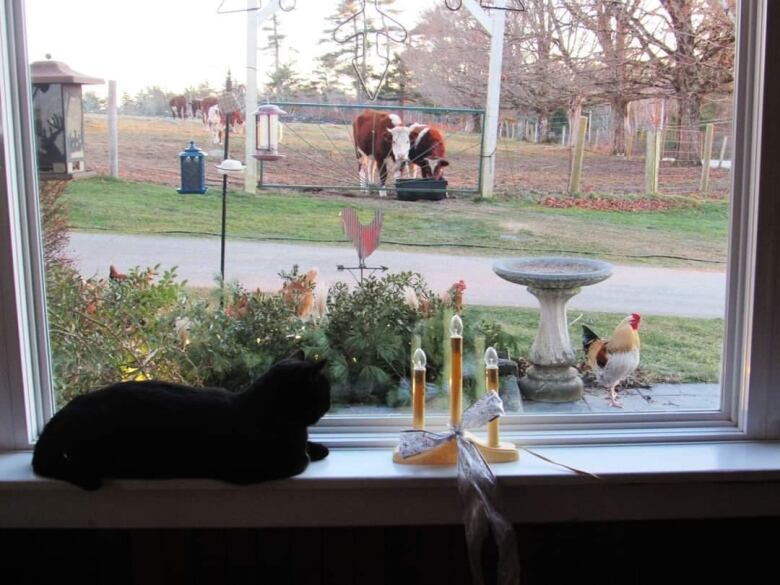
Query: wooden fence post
[576, 159]
[590, 120]
[652, 161]
[113, 134]
[706, 157]
[723, 151]
[629, 144]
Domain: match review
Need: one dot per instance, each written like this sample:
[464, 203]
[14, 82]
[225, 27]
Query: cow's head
[400, 142]
[434, 167]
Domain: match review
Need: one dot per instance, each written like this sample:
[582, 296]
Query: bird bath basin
[554, 281]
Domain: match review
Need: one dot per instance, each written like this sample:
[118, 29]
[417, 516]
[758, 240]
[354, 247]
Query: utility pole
[493, 23]
[250, 99]
[254, 19]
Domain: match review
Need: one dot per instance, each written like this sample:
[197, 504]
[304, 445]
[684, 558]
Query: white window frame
[749, 407]
[26, 399]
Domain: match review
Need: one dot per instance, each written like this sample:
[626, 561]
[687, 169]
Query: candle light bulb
[491, 358]
[456, 327]
[419, 360]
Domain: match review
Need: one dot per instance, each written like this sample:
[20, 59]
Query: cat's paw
[317, 451]
[89, 483]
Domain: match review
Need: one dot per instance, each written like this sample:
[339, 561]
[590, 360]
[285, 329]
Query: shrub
[103, 331]
[368, 333]
[148, 327]
[54, 221]
[230, 347]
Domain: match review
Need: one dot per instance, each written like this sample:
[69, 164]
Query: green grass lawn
[674, 349]
[678, 237]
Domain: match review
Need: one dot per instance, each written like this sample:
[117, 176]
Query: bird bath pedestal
[554, 281]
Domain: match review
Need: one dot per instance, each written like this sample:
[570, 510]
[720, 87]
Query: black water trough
[425, 189]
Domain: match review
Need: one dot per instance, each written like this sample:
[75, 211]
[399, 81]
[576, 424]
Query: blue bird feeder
[193, 170]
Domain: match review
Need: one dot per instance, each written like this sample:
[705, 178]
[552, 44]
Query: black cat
[163, 430]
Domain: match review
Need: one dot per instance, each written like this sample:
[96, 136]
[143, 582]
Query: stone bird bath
[554, 281]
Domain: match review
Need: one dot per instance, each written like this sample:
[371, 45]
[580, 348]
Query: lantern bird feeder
[269, 131]
[59, 118]
[193, 170]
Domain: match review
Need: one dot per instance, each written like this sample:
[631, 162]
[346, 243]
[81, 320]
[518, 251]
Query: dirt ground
[323, 155]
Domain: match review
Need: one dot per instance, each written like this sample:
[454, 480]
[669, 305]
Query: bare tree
[446, 59]
[534, 74]
[620, 69]
[690, 44]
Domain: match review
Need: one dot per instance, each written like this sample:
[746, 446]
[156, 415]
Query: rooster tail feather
[588, 337]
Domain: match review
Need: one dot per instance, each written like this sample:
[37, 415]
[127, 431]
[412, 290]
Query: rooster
[114, 274]
[613, 359]
[300, 292]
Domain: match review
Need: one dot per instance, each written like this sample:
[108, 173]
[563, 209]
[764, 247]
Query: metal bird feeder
[59, 118]
[269, 132]
[193, 170]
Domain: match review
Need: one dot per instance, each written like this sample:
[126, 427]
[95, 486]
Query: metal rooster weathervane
[357, 28]
[365, 238]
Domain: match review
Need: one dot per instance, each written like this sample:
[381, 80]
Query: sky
[173, 43]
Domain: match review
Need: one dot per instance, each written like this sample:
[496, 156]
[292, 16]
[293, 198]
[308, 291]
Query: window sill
[356, 487]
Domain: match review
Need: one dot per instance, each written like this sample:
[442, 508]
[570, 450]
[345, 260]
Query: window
[747, 406]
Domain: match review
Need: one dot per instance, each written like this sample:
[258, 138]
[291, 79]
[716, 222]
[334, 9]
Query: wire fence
[320, 151]
[536, 162]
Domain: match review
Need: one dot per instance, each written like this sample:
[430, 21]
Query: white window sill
[355, 487]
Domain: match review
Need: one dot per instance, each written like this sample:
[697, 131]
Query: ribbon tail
[477, 487]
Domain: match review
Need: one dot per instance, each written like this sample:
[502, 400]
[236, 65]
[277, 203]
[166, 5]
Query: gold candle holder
[494, 451]
[491, 385]
[456, 370]
[418, 390]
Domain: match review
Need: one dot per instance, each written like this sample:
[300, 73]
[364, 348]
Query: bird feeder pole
[228, 119]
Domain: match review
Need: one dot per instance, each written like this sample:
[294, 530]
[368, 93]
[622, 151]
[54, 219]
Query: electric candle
[491, 385]
[456, 371]
[418, 390]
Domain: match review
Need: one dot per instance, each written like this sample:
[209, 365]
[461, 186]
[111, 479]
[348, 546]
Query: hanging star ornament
[357, 28]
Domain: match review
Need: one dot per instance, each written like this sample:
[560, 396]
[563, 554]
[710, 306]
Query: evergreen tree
[396, 85]
[127, 105]
[283, 82]
[94, 103]
[275, 38]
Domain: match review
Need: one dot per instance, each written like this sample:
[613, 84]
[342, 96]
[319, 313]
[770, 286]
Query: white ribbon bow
[477, 487]
[477, 415]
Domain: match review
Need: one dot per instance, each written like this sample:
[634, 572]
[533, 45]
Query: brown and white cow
[382, 139]
[215, 123]
[196, 106]
[427, 150]
[178, 106]
[216, 120]
[205, 105]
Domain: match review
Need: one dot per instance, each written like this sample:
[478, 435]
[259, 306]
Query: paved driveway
[646, 290]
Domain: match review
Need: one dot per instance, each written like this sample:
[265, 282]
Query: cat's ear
[297, 356]
[320, 365]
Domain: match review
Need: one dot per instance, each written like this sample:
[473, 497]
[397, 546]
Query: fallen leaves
[612, 204]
